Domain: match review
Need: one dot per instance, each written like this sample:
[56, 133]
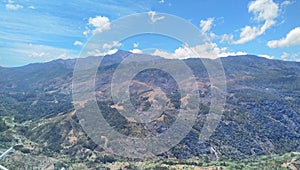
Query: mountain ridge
[253, 56]
[261, 115]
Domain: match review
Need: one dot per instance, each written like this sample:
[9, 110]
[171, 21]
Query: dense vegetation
[261, 115]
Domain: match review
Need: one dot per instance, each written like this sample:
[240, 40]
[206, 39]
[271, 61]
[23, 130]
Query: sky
[39, 31]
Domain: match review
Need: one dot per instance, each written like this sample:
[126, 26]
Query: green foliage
[3, 126]
[25, 150]
[203, 109]
[5, 138]
[105, 159]
[175, 99]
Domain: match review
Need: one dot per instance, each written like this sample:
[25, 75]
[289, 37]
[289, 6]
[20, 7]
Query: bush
[3, 126]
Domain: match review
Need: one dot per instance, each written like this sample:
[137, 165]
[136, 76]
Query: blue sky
[39, 31]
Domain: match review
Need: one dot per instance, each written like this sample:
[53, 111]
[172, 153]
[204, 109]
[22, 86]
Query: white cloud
[86, 32]
[292, 38]
[212, 35]
[162, 53]
[135, 45]
[266, 56]
[38, 54]
[97, 25]
[264, 11]
[292, 57]
[286, 3]
[207, 50]
[180, 53]
[226, 54]
[31, 53]
[161, 1]
[97, 52]
[285, 55]
[247, 34]
[13, 7]
[113, 44]
[43, 52]
[31, 7]
[136, 51]
[153, 16]
[206, 24]
[227, 38]
[78, 43]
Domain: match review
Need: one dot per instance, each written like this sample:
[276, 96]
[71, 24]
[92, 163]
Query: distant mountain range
[261, 115]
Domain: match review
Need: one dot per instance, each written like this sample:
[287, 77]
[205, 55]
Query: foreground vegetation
[22, 161]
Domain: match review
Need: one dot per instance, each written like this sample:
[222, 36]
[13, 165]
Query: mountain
[261, 115]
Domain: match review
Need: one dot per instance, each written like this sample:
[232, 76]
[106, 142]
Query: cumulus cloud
[97, 52]
[13, 7]
[153, 16]
[206, 24]
[180, 53]
[266, 56]
[78, 43]
[226, 54]
[265, 11]
[113, 44]
[292, 38]
[162, 53]
[207, 50]
[136, 51]
[97, 25]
